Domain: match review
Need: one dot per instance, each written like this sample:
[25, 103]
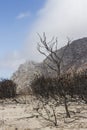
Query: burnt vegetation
[63, 88]
[67, 85]
[53, 92]
[7, 89]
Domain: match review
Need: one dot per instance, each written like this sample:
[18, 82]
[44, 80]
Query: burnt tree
[49, 50]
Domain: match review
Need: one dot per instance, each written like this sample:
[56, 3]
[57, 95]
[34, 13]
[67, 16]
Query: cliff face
[75, 57]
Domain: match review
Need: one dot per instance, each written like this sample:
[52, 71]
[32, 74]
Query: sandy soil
[15, 116]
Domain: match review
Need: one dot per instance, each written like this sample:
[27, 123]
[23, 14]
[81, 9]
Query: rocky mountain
[75, 57]
[23, 76]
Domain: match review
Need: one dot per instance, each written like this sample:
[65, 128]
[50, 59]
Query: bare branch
[50, 66]
[49, 50]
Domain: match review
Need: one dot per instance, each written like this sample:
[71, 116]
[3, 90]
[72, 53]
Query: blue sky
[12, 30]
[20, 20]
[16, 18]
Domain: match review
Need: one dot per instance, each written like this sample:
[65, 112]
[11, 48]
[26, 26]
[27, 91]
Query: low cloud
[9, 63]
[61, 18]
[23, 15]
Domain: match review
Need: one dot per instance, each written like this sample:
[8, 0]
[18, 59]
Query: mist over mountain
[75, 58]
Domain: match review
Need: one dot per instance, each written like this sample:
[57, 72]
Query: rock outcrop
[24, 75]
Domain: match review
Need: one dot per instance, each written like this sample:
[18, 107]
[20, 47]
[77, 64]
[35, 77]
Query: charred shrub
[7, 89]
[42, 86]
[80, 85]
[61, 89]
[52, 88]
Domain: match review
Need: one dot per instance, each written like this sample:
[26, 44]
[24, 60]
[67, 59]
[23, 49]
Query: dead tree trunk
[66, 107]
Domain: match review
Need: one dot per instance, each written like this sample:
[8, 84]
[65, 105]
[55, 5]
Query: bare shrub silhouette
[51, 92]
[79, 85]
[49, 50]
[7, 88]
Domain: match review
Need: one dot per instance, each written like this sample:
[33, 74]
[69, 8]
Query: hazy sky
[16, 18]
[20, 20]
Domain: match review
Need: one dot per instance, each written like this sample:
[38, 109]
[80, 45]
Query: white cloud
[63, 17]
[60, 18]
[23, 15]
[9, 63]
[11, 60]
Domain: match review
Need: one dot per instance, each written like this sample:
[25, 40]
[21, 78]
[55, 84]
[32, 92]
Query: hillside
[75, 57]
